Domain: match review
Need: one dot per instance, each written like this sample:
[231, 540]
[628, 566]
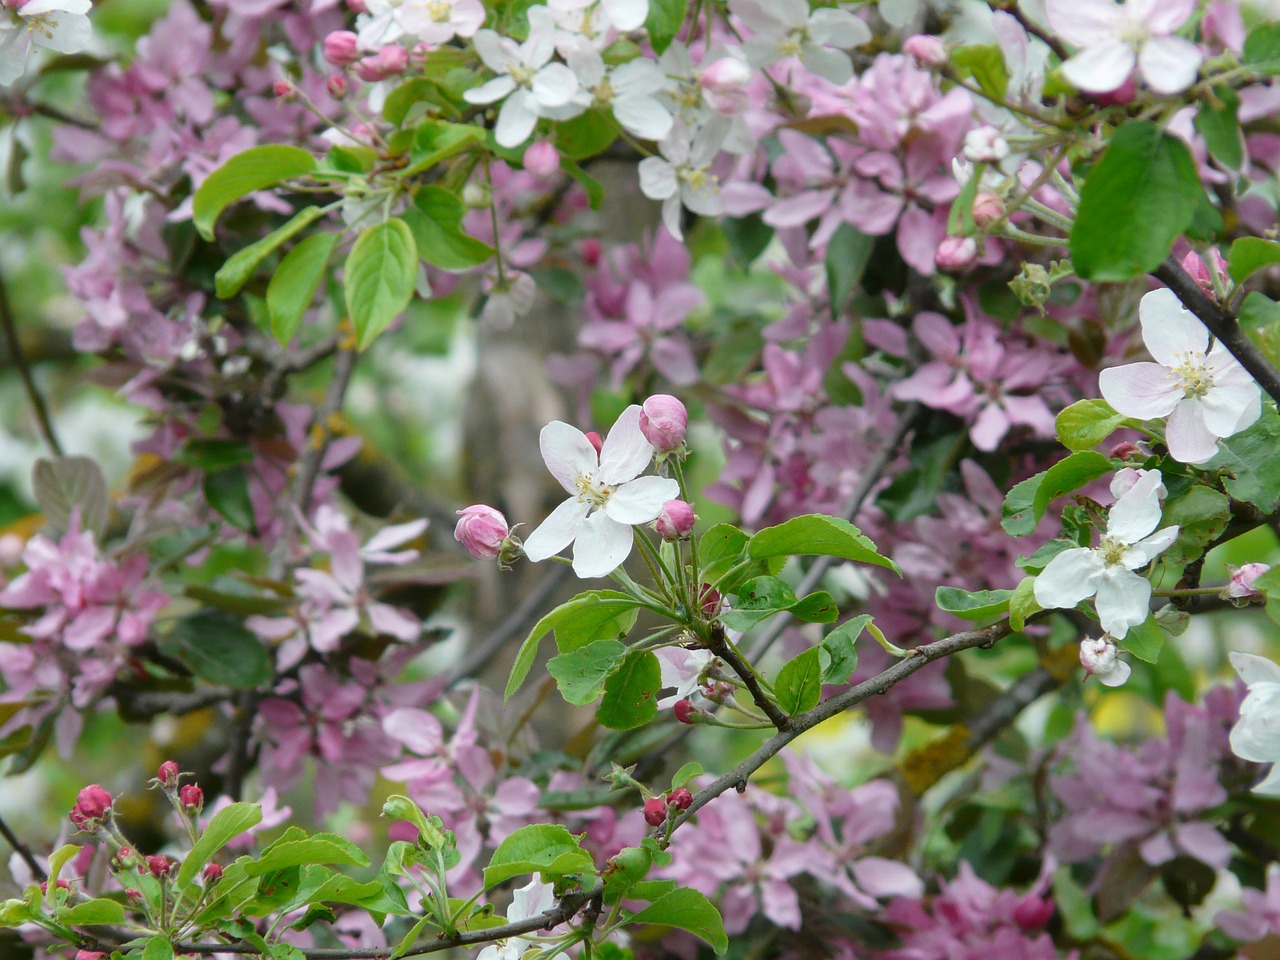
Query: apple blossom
[1203, 391]
[1106, 571]
[438, 21]
[682, 175]
[607, 495]
[1116, 37]
[788, 28]
[1242, 579]
[481, 530]
[526, 82]
[1100, 658]
[628, 90]
[1256, 735]
[675, 522]
[663, 421]
[533, 898]
[58, 25]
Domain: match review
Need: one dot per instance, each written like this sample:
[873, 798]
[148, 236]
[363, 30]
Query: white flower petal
[626, 452]
[1136, 513]
[70, 33]
[1070, 577]
[1169, 329]
[1254, 669]
[567, 453]
[601, 546]
[1148, 548]
[658, 178]
[1116, 676]
[557, 531]
[831, 65]
[1123, 600]
[1189, 439]
[1142, 390]
[1101, 69]
[1231, 405]
[516, 119]
[1084, 23]
[626, 14]
[643, 117]
[490, 92]
[554, 85]
[641, 500]
[1169, 64]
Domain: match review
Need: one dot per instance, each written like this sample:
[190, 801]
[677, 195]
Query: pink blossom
[481, 530]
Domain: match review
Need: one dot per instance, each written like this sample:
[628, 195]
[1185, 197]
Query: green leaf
[157, 948]
[631, 692]
[63, 485]
[817, 535]
[757, 600]
[227, 491]
[1023, 603]
[1269, 586]
[985, 64]
[1086, 423]
[380, 275]
[436, 223]
[294, 284]
[1262, 48]
[664, 21]
[1138, 199]
[749, 236]
[1249, 458]
[687, 909]
[57, 860]
[576, 619]
[799, 683]
[92, 912]
[586, 135]
[439, 140]
[235, 273]
[547, 849]
[593, 187]
[686, 773]
[960, 220]
[838, 654]
[1026, 503]
[1258, 310]
[1249, 255]
[1143, 641]
[219, 649]
[972, 605]
[212, 454]
[225, 825]
[719, 550]
[1201, 515]
[246, 172]
[317, 849]
[580, 675]
[1218, 122]
[848, 253]
[626, 868]
[817, 607]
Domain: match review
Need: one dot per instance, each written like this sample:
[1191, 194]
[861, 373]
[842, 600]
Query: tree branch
[726, 651]
[1221, 324]
[23, 851]
[19, 359]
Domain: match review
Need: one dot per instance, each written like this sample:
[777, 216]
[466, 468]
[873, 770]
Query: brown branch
[721, 647]
[19, 359]
[23, 851]
[1221, 324]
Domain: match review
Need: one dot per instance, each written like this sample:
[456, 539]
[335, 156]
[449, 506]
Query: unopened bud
[125, 859]
[341, 48]
[386, 63]
[1101, 658]
[475, 196]
[985, 145]
[727, 75]
[283, 89]
[159, 865]
[988, 210]
[663, 421]
[675, 522]
[956, 254]
[927, 51]
[542, 159]
[710, 598]
[1242, 580]
[481, 530]
[680, 798]
[357, 6]
[655, 811]
[192, 798]
[685, 711]
[1032, 913]
[591, 251]
[596, 441]
[168, 773]
[1124, 450]
[337, 86]
[212, 872]
[1119, 96]
[1199, 271]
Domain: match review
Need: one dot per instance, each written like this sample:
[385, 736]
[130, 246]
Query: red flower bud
[1032, 913]
[159, 865]
[1124, 450]
[655, 811]
[591, 251]
[192, 798]
[212, 873]
[168, 773]
[596, 441]
[675, 522]
[481, 531]
[337, 86]
[93, 801]
[680, 798]
[685, 711]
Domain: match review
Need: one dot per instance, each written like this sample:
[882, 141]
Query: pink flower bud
[725, 76]
[192, 798]
[159, 865]
[685, 711]
[663, 421]
[357, 6]
[1032, 912]
[15, 4]
[591, 251]
[710, 600]
[90, 955]
[655, 811]
[1241, 585]
[386, 63]
[133, 896]
[956, 254]
[125, 859]
[1124, 450]
[212, 872]
[596, 441]
[93, 802]
[1199, 271]
[1101, 658]
[337, 86]
[341, 48]
[283, 88]
[985, 145]
[1120, 95]
[988, 210]
[168, 773]
[675, 522]
[542, 159]
[481, 531]
[680, 798]
[928, 52]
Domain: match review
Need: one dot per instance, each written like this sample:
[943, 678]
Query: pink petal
[1146, 391]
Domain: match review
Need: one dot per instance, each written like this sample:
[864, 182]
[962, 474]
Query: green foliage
[220, 650]
[1086, 423]
[547, 849]
[688, 910]
[664, 21]
[1218, 122]
[820, 535]
[1027, 502]
[224, 826]
[631, 692]
[580, 674]
[972, 605]
[1139, 198]
[436, 223]
[294, 284]
[798, 686]
[1248, 462]
[596, 614]
[1144, 641]
[763, 597]
[380, 275]
[837, 654]
[246, 172]
[1249, 255]
[235, 273]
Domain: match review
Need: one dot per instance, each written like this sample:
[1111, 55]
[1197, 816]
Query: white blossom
[628, 90]
[1101, 659]
[682, 175]
[607, 495]
[1256, 735]
[533, 898]
[1204, 392]
[787, 28]
[439, 21]
[1107, 571]
[58, 25]
[1116, 37]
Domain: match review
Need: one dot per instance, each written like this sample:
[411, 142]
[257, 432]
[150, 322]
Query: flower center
[42, 23]
[521, 74]
[438, 10]
[1112, 551]
[593, 491]
[604, 92]
[1196, 381]
[698, 178]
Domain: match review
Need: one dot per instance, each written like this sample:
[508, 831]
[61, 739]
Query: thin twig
[726, 651]
[852, 506]
[1221, 324]
[24, 371]
[23, 851]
